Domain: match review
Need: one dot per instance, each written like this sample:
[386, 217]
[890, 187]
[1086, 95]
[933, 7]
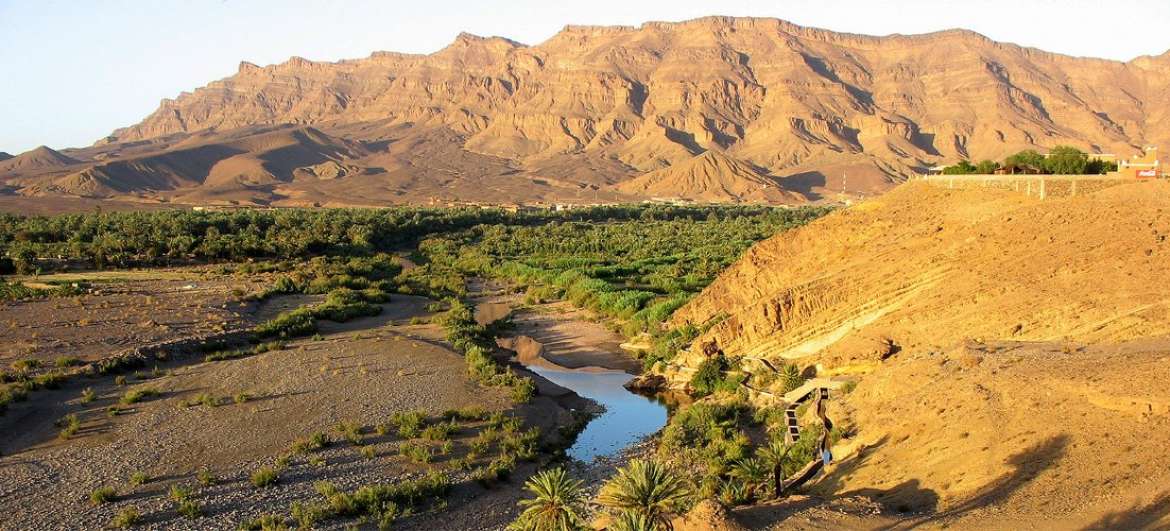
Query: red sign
[1146, 174]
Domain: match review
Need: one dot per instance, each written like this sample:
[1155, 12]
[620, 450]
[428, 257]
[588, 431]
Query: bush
[409, 423]
[135, 396]
[102, 495]
[440, 431]
[416, 452]
[128, 517]
[189, 509]
[264, 477]
[139, 478]
[69, 425]
[206, 478]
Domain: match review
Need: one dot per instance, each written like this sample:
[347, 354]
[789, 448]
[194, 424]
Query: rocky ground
[121, 310]
[360, 372]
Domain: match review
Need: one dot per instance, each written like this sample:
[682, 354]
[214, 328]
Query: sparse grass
[206, 478]
[283, 462]
[240, 398]
[350, 431]
[267, 522]
[473, 413]
[102, 495]
[409, 423]
[178, 493]
[128, 517]
[202, 399]
[135, 396]
[120, 380]
[69, 425]
[368, 452]
[139, 478]
[313, 442]
[440, 432]
[416, 452]
[317, 461]
[88, 395]
[264, 477]
[114, 411]
[189, 509]
[67, 361]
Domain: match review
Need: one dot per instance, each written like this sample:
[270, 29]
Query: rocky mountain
[4, 155]
[592, 107]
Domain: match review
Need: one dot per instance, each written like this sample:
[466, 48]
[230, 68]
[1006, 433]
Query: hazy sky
[72, 71]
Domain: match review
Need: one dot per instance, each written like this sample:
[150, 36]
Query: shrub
[189, 509]
[67, 361]
[415, 452]
[351, 431]
[102, 495]
[114, 411]
[313, 442]
[440, 431]
[409, 423]
[135, 396]
[264, 477]
[69, 425]
[240, 398]
[367, 452]
[139, 478]
[88, 395]
[206, 478]
[128, 517]
[178, 493]
[120, 380]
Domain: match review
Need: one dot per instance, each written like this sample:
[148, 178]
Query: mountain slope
[36, 160]
[839, 114]
[710, 177]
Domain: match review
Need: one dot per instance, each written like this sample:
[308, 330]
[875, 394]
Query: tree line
[1062, 160]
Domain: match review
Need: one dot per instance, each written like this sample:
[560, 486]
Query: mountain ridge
[603, 105]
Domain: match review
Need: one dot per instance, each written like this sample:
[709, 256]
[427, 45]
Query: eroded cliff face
[779, 96]
[923, 268]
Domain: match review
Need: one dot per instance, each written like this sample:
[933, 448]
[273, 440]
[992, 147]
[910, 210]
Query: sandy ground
[125, 309]
[363, 371]
[572, 338]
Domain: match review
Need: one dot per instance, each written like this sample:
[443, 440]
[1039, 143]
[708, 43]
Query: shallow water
[628, 416]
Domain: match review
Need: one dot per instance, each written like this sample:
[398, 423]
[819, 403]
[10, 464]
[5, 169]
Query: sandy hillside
[1011, 353]
[710, 177]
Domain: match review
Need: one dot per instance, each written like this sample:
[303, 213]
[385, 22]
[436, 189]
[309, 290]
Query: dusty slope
[34, 161]
[1012, 353]
[710, 177]
[926, 266]
[829, 113]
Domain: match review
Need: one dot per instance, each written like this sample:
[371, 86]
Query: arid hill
[4, 155]
[710, 177]
[1010, 350]
[830, 113]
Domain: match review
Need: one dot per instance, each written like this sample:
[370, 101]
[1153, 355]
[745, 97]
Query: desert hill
[37, 160]
[1009, 350]
[831, 114]
[711, 177]
[4, 155]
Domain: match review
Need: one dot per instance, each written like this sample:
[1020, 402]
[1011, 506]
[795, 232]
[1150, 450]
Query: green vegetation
[139, 478]
[264, 477]
[206, 478]
[128, 517]
[69, 425]
[102, 495]
[1062, 160]
[557, 503]
[135, 396]
[647, 490]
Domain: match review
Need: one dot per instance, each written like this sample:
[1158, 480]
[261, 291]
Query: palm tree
[645, 488]
[556, 506]
[751, 472]
[632, 521]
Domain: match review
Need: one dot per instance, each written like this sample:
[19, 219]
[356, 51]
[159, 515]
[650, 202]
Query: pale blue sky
[72, 71]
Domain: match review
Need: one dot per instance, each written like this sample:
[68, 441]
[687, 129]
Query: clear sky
[71, 71]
